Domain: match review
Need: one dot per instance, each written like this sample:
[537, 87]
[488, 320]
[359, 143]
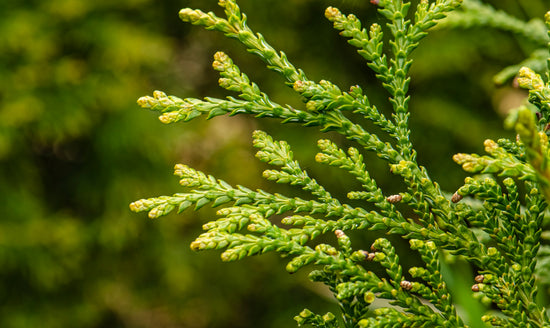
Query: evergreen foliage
[495, 221]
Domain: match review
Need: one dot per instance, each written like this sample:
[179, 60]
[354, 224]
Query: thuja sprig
[249, 221]
[499, 161]
[234, 26]
[514, 224]
[435, 289]
[532, 126]
[324, 105]
[394, 75]
[279, 153]
[516, 232]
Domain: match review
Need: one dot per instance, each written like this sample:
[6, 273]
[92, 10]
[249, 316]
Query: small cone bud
[406, 285]
[456, 198]
[394, 198]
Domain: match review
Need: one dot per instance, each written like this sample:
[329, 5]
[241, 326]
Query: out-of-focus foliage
[75, 150]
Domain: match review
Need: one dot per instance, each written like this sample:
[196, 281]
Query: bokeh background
[75, 150]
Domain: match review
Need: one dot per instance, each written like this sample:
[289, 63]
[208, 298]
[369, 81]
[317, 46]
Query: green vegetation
[497, 229]
[74, 150]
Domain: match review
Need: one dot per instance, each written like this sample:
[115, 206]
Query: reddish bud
[406, 285]
[456, 197]
[369, 256]
[394, 198]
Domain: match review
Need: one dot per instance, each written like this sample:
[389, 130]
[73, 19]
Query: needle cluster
[494, 221]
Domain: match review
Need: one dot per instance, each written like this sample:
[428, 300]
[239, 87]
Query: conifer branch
[510, 185]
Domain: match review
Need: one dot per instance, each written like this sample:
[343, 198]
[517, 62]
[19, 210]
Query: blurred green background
[75, 150]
